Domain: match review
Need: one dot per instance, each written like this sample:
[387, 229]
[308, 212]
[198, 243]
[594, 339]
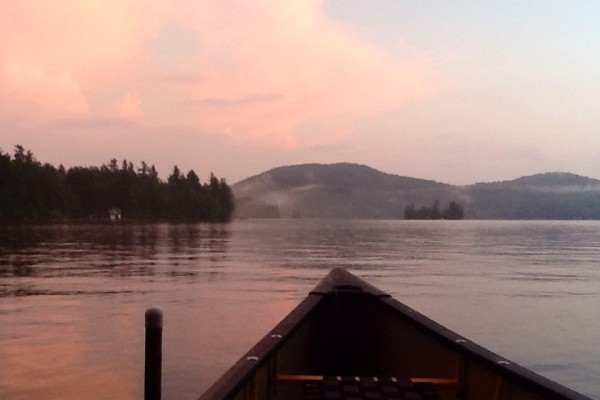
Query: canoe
[349, 340]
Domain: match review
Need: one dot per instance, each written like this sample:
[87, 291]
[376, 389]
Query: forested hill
[34, 192]
[334, 191]
[357, 191]
[557, 195]
[549, 180]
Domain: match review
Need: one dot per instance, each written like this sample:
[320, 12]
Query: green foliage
[454, 211]
[32, 192]
[29, 190]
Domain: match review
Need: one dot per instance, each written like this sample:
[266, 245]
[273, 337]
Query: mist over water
[72, 297]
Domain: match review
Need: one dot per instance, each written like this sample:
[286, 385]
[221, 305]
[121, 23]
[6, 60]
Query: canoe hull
[349, 334]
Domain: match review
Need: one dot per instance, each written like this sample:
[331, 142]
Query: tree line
[34, 192]
[453, 211]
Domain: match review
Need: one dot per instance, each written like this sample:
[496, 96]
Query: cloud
[258, 72]
[129, 107]
[321, 72]
[85, 38]
[88, 124]
[182, 79]
[247, 100]
[35, 91]
[61, 59]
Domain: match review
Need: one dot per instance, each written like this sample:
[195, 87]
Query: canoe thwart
[352, 387]
[321, 378]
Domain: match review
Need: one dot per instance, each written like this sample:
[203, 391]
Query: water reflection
[55, 356]
[527, 290]
[110, 250]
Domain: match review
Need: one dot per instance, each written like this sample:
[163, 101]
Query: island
[31, 192]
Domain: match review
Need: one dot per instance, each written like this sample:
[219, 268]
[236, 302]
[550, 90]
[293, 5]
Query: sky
[458, 92]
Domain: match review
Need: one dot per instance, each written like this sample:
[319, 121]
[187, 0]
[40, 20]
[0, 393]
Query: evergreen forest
[34, 192]
[453, 211]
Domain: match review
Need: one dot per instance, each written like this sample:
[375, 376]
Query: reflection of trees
[147, 239]
[184, 238]
[18, 266]
[194, 241]
[68, 250]
[119, 250]
[16, 243]
[18, 237]
[219, 239]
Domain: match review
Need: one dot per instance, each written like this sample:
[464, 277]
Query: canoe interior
[347, 340]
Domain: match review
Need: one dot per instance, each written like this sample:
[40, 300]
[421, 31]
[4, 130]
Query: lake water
[72, 297]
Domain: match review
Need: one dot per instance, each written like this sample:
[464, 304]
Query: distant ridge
[556, 179]
[346, 190]
[338, 174]
[550, 195]
[341, 190]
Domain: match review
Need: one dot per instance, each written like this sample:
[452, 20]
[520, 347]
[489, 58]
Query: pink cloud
[35, 91]
[313, 69]
[129, 107]
[260, 71]
[85, 38]
[62, 59]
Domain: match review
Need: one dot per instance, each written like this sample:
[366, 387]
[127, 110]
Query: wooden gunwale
[240, 374]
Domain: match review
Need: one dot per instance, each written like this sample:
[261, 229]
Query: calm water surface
[72, 297]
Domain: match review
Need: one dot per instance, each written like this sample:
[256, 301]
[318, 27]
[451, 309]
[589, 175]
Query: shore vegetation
[32, 191]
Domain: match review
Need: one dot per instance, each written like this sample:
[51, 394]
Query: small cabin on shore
[115, 213]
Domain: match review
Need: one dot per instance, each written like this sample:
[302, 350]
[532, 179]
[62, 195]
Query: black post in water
[153, 370]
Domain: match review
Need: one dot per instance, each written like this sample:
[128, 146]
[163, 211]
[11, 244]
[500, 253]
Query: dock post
[153, 367]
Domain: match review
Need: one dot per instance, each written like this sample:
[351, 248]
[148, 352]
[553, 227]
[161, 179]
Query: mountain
[552, 195]
[334, 191]
[347, 190]
[548, 180]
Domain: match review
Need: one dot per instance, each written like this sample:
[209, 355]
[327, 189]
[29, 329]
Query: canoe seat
[368, 388]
